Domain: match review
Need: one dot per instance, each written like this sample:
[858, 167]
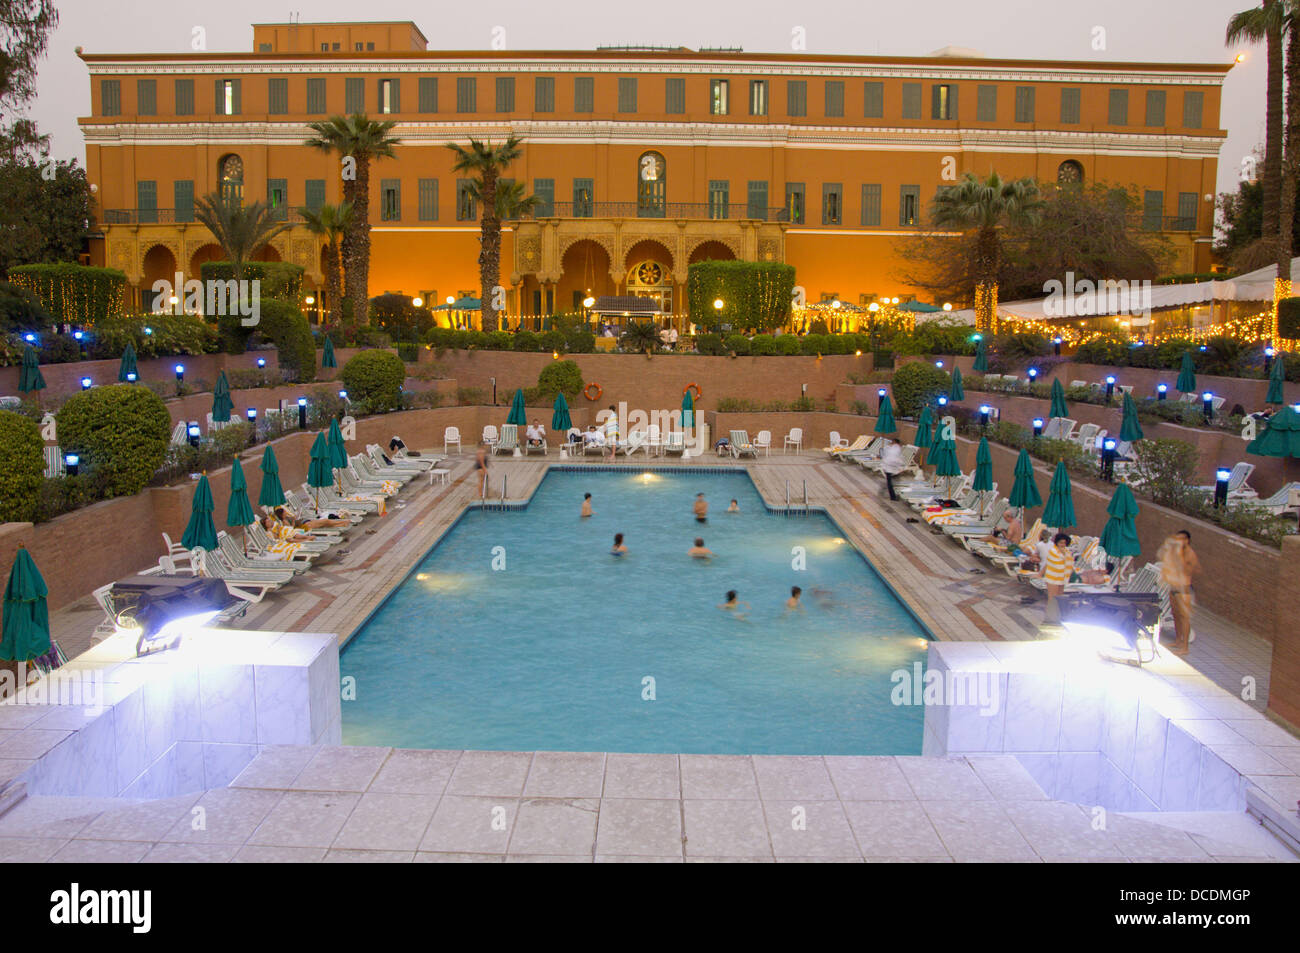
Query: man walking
[891, 463]
[1178, 563]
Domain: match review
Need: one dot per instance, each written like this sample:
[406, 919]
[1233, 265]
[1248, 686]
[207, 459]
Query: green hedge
[121, 433]
[169, 334]
[73, 294]
[915, 384]
[286, 327]
[20, 310]
[22, 467]
[1288, 318]
[560, 377]
[755, 294]
[375, 377]
[279, 281]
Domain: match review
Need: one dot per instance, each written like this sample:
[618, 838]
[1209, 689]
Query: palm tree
[512, 203]
[357, 139]
[640, 337]
[1266, 23]
[985, 206]
[239, 229]
[1290, 165]
[331, 222]
[485, 162]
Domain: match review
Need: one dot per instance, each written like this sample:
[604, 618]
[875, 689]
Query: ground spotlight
[1221, 476]
[1161, 391]
[1110, 387]
[71, 463]
[132, 377]
[85, 383]
[1038, 426]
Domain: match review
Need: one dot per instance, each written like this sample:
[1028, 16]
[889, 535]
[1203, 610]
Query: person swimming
[619, 549]
[586, 505]
[793, 602]
[734, 507]
[699, 550]
[701, 509]
[734, 605]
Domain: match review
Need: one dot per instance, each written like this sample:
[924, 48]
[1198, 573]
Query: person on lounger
[326, 522]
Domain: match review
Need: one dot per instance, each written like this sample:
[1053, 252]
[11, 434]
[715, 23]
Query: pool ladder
[802, 510]
[497, 504]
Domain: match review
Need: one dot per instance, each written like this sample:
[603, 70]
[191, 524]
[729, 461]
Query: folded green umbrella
[29, 377]
[981, 365]
[1130, 429]
[1119, 537]
[327, 358]
[1281, 436]
[201, 533]
[983, 482]
[127, 367]
[688, 409]
[1024, 492]
[924, 438]
[222, 405]
[319, 472]
[26, 633]
[943, 456]
[1187, 374]
[885, 421]
[1059, 511]
[956, 393]
[1059, 407]
[240, 511]
[272, 493]
[337, 449]
[1276, 378]
[560, 419]
[518, 413]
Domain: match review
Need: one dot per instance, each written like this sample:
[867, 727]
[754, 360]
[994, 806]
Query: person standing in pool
[481, 464]
[699, 550]
[586, 506]
[733, 604]
[701, 509]
[619, 549]
[734, 507]
[793, 601]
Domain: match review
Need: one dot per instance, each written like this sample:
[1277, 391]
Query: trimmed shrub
[20, 310]
[286, 327]
[815, 344]
[396, 316]
[552, 341]
[1103, 350]
[763, 344]
[789, 345]
[170, 334]
[737, 344]
[73, 294]
[439, 337]
[526, 341]
[710, 343]
[579, 340]
[915, 384]
[500, 340]
[375, 377]
[22, 467]
[560, 377]
[277, 281]
[756, 294]
[120, 432]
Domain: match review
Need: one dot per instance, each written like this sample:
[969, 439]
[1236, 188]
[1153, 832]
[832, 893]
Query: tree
[239, 229]
[485, 162]
[25, 27]
[358, 140]
[46, 212]
[984, 206]
[330, 222]
[512, 203]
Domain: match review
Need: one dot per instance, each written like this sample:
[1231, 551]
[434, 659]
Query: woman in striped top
[1056, 571]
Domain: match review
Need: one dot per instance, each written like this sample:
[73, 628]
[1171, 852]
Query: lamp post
[943, 402]
[1056, 345]
[302, 413]
[1207, 405]
[1221, 476]
[939, 364]
[1038, 427]
[85, 383]
[1033, 375]
[1110, 387]
[1162, 390]
[194, 433]
[261, 363]
[131, 377]
[985, 410]
[880, 399]
[1268, 359]
[180, 373]
[71, 463]
[1108, 459]
[251, 414]
[494, 390]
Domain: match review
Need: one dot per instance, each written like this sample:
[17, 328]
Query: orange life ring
[586, 391]
[696, 387]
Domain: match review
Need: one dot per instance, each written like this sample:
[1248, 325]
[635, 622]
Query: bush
[917, 383]
[1016, 348]
[277, 281]
[120, 432]
[763, 344]
[1106, 349]
[20, 310]
[939, 336]
[22, 467]
[756, 294]
[169, 335]
[439, 337]
[285, 326]
[1288, 318]
[526, 341]
[376, 378]
[73, 294]
[560, 377]
[499, 340]
[397, 317]
[814, 344]
[737, 344]
[579, 340]
[1164, 469]
[466, 396]
[552, 341]
[789, 345]
[710, 343]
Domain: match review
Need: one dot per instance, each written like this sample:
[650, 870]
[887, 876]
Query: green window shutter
[505, 94]
[834, 97]
[909, 205]
[832, 203]
[428, 200]
[870, 206]
[146, 97]
[1070, 97]
[394, 95]
[873, 100]
[796, 97]
[794, 206]
[219, 106]
[146, 201]
[110, 97]
[354, 95]
[584, 198]
[584, 94]
[1193, 106]
[277, 96]
[544, 189]
[428, 94]
[390, 200]
[466, 209]
[236, 85]
[1155, 107]
[1024, 104]
[627, 94]
[314, 194]
[183, 199]
[756, 200]
[316, 95]
[719, 198]
[986, 103]
[1186, 212]
[277, 197]
[675, 96]
[466, 94]
[185, 97]
[1117, 115]
[544, 94]
[911, 100]
[1153, 210]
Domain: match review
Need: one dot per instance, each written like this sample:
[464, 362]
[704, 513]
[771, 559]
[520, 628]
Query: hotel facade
[643, 160]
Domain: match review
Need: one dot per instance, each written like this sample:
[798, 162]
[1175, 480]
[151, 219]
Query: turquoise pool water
[553, 652]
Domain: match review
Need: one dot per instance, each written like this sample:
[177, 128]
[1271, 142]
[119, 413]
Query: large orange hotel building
[644, 160]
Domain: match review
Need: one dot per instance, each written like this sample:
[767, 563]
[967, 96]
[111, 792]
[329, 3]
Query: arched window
[1069, 172]
[651, 185]
[230, 172]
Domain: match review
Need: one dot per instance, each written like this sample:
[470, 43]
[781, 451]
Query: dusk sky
[1190, 31]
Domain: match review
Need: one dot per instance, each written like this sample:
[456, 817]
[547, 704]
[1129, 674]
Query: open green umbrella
[1059, 511]
[983, 472]
[319, 472]
[240, 511]
[924, 439]
[560, 419]
[29, 378]
[1059, 407]
[127, 367]
[272, 493]
[1281, 436]
[1119, 537]
[26, 614]
[943, 454]
[1024, 492]
[688, 409]
[981, 365]
[200, 533]
[1187, 375]
[885, 420]
[956, 393]
[327, 358]
[518, 413]
[1129, 428]
[222, 405]
[1276, 377]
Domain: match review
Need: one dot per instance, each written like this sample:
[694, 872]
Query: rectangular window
[428, 92]
[314, 194]
[796, 97]
[584, 203]
[719, 198]
[870, 206]
[146, 97]
[390, 200]
[1070, 98]
[1186, 221]
[277, 96]
[185, 97]
[1153, 210]
[544, 94]
[627, 94]
[146, 201]
[1193, 104]
[227, 101]
[277, 198]
[943, 101]
[794, 203]
[1155, 107]
[756, 200]
[1117, 115]
[986, 103]
[428, 195]
[834, 97]
[390, 97]
[758, 97]
[466, 207]
[832, 203]
[1024, 104]
[354, 95]
[911, 100]
[544, 189]
[873, 100]
[719, 97]
[316, 96]
[466, 94]
[584, 94]
[505, 94]
[183, 199]
[675, 96]
[110, 97]
[909, 205]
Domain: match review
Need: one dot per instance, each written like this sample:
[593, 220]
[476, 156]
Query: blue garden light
[1033, 374]
[71, 463]
[1110, 387]
[78, 335]
[1056, 345]
[1038, 426]
[985, 410]
[302, 413]
[180, 373]
[1161, 391]
[1207, 405]
[261, 362]
[938, 364]
[148, 330]
[29, 338]
[85, 383]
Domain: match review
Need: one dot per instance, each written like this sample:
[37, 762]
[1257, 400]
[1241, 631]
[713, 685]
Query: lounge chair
[509, 441]
[490, 436]
[873, 448]
[180, 434]
[675, 442]
[847, 449]
[978, 527]
[364, 467]
[654, 441]
[232, 552]
[1277, 504]
[329, 498]
[740, 445]
[400, 462]
[1237, 487]
[1077, 384]
[907, 459]
[176, 552]
[793, 439]
[763, 441]
[529, 447]
[449, 436]
[1086, 436]
[636, 440]
[54, 466]
[838, 443]
[249, 587]
[262, 541]
[303, 506]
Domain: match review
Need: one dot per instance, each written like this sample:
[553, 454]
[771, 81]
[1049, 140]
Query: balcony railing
[169, 216]
[717, 211]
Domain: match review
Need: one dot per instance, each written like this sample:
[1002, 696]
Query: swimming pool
[564, 647]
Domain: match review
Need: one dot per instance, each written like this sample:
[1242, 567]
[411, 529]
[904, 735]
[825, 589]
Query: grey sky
[1135, 30]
